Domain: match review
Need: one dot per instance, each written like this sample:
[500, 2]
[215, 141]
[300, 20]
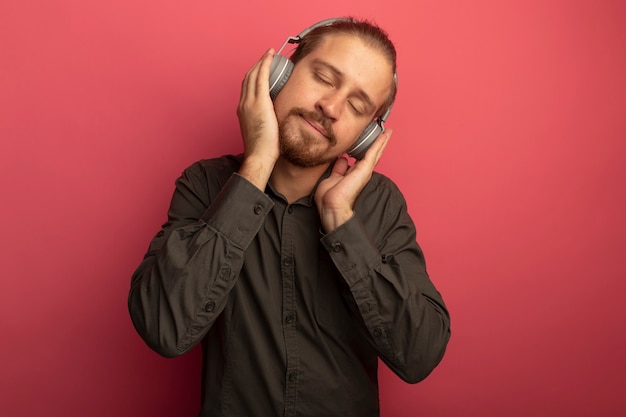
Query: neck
[295, 182]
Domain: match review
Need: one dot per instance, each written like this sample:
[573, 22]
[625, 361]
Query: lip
[316, 126]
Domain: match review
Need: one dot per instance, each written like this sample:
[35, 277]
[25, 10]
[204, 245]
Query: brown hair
[367, 31]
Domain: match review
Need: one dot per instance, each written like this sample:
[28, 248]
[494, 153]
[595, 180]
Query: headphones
[281, 69]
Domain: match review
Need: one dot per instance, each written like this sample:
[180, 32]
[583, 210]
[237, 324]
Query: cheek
[285, 100]
[297, 91]
[281, 106]
[348, 135]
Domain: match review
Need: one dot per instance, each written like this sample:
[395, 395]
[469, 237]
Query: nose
[331, 104]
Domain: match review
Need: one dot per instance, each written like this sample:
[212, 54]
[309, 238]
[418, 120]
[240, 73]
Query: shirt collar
[306, 201]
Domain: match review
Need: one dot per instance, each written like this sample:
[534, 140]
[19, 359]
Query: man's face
[331, 96]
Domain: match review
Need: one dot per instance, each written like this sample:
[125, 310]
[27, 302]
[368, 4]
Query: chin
[303, 156]
[303, 159]
[303, 149]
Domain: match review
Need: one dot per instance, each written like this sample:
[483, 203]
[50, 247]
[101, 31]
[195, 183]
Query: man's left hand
[336, 195]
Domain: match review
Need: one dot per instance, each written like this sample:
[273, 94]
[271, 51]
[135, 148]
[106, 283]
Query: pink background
[509, 144]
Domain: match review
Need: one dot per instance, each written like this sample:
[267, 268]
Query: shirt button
[378, 332]
[292, 377]
[210, 306]
[225, 274]
[287, 262]
[336, 247]
[258, 209]
[289, 319]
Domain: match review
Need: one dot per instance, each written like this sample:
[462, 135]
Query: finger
[385, 137]
[244, 88]
[263, 77]
[249, 83]
[374, 153]
[255, 76]
[340, 167]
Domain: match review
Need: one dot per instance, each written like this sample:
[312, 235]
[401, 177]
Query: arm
[182, 285]
[404, 316]
[258, 124]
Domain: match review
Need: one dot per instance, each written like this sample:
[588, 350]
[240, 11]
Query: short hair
[367, 31]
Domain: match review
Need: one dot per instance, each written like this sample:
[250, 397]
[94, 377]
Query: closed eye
[356, 109]
[321, 78]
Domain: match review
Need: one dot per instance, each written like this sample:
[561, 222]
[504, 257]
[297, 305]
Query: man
[294, 270]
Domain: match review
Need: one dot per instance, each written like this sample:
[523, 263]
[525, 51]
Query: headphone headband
[325, 22]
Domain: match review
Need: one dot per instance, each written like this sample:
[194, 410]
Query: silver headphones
[281, 69]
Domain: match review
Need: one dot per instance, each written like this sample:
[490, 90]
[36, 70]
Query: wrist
[332, 219]
[257, 170]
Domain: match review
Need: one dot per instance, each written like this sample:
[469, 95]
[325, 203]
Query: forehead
[360, 64]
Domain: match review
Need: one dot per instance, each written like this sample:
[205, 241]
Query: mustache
[323, 121]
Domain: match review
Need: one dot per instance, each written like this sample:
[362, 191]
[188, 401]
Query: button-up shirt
[292, 320]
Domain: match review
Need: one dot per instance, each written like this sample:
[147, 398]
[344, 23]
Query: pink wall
[510, 130]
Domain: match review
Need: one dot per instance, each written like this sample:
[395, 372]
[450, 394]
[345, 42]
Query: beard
[299, 146]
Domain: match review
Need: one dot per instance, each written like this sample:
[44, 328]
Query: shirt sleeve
[183, 282]
[405, 318]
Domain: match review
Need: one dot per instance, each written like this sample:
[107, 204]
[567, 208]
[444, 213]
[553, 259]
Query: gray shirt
[292, 321]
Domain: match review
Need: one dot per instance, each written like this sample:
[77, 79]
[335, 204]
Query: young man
[295, 271]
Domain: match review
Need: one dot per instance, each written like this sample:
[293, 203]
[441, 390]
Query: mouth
[316, 126]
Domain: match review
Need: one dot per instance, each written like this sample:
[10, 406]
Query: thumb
[340, 167]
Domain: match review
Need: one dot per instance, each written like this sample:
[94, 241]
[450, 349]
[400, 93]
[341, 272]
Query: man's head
[343, 78]
[368, 32]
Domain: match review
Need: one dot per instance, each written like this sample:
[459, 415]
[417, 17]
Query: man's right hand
[258, 124]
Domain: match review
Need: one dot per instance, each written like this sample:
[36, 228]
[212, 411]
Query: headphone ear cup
[365, 140]
[280, 70]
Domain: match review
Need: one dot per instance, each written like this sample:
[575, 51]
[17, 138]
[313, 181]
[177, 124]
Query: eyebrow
[359, 92]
